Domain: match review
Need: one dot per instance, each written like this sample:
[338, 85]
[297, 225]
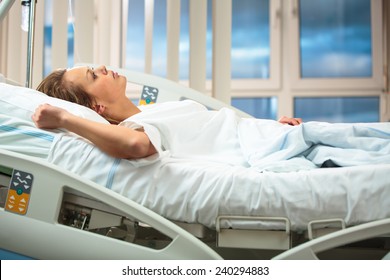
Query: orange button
[17, 203]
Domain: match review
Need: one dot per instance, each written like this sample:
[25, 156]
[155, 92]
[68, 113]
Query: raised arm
[117, 141]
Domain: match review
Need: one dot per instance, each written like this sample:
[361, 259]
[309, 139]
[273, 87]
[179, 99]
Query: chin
[123, 79]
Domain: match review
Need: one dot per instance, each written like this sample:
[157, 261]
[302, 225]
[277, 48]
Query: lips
[115, 75]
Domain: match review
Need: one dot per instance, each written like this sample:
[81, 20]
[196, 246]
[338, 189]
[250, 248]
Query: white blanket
[188, 130]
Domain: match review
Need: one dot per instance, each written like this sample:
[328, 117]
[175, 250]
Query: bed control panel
[15, 190]
[148, 95]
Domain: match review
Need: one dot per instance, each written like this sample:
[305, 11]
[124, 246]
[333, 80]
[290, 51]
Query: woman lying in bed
[187, 129]
[105, 92]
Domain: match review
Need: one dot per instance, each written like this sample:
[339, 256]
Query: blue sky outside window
[250, 39]
[334, 41]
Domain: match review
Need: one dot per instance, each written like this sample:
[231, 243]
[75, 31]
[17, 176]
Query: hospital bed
[80, 203]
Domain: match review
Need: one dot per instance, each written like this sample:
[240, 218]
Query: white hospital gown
[186, 129]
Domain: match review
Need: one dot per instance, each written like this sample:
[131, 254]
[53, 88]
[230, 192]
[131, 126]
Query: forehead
[77, 74]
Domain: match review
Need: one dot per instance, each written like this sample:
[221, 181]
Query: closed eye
[92, 73]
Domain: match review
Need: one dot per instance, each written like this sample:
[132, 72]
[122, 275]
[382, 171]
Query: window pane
[47, 38]
[261, 108]
[184, 48]
[184, 45]
[338, 109]
[48, 30]
[334, 41]
[159, 56]
[135, 43]
[250, 39]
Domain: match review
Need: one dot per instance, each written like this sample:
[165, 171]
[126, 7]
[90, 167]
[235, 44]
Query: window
[135, 38]
[337, 109]
[256, 46]
[48, 30]
[250, 39]
[261, 108]
[332, 48]
[332, 58]
[335, 52]
[334, 42]
[135, 46]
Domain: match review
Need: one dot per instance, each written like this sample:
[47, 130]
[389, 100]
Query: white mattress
[198, 192]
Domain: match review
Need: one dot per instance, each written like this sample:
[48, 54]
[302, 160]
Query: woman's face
[104, 85]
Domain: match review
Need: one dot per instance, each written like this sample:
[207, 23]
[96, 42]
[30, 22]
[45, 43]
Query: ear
[99, 109]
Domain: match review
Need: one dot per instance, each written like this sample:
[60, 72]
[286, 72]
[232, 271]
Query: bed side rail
[3, 79]
[309, 250]
[32, 217]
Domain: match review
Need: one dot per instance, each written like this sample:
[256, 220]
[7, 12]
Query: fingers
[290, 121]
[295, 121]
[45, 116]
[36, 116]
[38, 111]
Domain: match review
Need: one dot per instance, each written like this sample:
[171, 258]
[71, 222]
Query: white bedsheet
[20, 136]
[197, 191]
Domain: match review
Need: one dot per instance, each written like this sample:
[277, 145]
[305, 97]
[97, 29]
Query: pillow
[21, 102]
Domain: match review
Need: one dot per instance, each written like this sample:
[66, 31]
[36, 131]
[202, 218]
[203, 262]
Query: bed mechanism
[48, 213]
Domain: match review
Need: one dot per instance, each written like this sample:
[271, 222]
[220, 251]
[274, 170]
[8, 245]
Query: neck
[121, 110]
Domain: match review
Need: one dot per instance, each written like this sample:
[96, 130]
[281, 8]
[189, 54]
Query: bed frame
[64, 216]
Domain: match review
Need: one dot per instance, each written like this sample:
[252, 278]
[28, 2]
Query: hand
[48, 116]
[290, 121]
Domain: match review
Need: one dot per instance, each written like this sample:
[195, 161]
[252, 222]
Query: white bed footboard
[49, 213]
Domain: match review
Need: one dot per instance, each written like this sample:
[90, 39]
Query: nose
[102, 69]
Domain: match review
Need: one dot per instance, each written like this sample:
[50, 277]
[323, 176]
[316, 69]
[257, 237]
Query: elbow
[139, 147]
